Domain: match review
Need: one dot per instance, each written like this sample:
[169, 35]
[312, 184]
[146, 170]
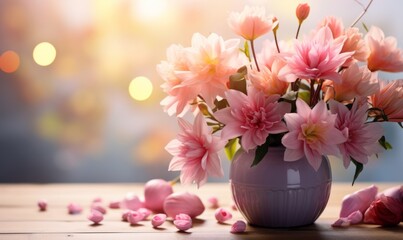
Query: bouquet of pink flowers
[317, 95]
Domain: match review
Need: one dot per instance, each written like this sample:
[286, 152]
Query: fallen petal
[98, 206]
[95, 216]
[222, 215]
[42, 204]
[183, 216]
[359, 200]
[183, 225]
[238, 227]
[115, 204]
[158, 219]
[74, 208]
[133, 217]
[145, 212]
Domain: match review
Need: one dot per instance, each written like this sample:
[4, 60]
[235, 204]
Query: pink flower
[195, 152]
[95, 216]
[251, 23]
[211, 61]
[267, 80]
[253, 116]
[133, 217]
[316, 58]
[386, 211]
[125, 213]
[74, 208]
[158, 219]
[178, 95]
[302, 11]
[182, 216]
[355, 43]
[359, 200]
[155, 192]
[131, 202]
[393, 192]
[183, 225]
[390, 100]
[354, 218]
[213, 201]
[186, 203]
[144, 212]
[222, 215]
[362, 138]
[355, 82]
[43, 205]
[311, 133]
[238, 227]
[334, 24]
[384, 54]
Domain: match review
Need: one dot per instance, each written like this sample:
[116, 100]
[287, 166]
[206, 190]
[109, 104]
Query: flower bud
[74, 208]
[133, 217]
[359, 200]
[302, 11]
[158, 219]
[115, 204]
[222, 215]
[213, 201]
[95, 216]
[155, 192]
[238, 227]
[125, 213]
[98, 206]
[183, 216]
[186, 203]
[42, 204]
[183, 225]
[145, 212]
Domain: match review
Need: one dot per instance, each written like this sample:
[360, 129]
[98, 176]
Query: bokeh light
[9, 61]
[149, 9]
[140, 88]
[44, 54]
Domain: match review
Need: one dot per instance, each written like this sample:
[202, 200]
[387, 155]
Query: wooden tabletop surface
[21, 219]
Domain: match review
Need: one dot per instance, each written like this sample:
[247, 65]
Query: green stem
[254, 54]
[299, 27]
[276, 41]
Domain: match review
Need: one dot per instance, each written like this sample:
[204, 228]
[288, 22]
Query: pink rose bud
[132, 202]
[183, 225]
[238, 227]
[42, 204]
[155, 192]
[187, 203]
[158, 219]
[145, 212]
[183, 216]
[74, 208]
[125, 213]
[213, 202]
[98, 206]
[133, 217]
[302, 11]
[359, 200]
[95, 216]
[222, 215]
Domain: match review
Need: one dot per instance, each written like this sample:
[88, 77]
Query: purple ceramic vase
[276, 193]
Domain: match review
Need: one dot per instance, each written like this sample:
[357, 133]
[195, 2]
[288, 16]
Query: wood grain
[21, 219]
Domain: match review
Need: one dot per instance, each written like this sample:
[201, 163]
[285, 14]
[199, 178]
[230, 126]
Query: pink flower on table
[253, 116]
[74, 208]
[42, 204]
[158, 219]
[359, 200]
[390, 100]
[362, 138]
[355, 82]
[318, 57]
[354, 218]
[155, 192]
[267, 80]
[238, 227]
[183, 203]
[133, 217]
[384, 54]
[211, 61]
[195, 152]
[386, 211]
[222, 215]
[312, 133]
[132, 202]
[95, 216]
[251, 23]
[183, 225]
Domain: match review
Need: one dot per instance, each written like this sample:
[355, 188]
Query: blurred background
[79, 93]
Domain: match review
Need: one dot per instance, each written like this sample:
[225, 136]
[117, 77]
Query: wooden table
[21, 219]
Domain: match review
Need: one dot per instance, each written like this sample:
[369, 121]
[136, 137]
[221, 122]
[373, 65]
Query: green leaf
[260, 153]
[365, 27]
[220, 104]
[231, 147]
[385, 144]
[358, 169]
[246, 50]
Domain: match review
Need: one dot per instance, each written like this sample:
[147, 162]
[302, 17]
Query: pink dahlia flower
[253, 116]
[390, 100]
[316, 58]
[362, 138]
[267, 80]
[384, 54]
[335, 25]
[251, 23]
[195, 152]
[312, 133]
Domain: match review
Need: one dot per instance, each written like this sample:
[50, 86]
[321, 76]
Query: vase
[276, 193]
